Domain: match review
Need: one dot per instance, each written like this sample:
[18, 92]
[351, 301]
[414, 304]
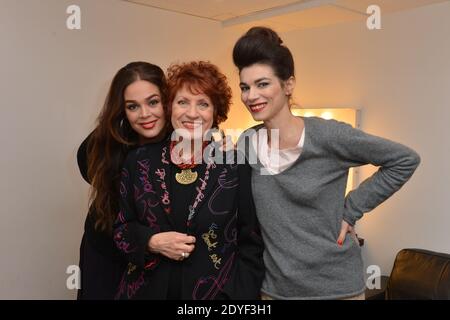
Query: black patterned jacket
[227, 259]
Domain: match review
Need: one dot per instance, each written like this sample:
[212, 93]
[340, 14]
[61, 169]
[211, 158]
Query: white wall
[52, 85]
[400, 77]
[53, 82]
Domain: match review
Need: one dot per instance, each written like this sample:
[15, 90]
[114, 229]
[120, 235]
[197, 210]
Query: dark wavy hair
[111, 139]
[204, 77]
[263, 45]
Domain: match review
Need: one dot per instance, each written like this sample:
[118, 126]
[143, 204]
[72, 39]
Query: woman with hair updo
[198, 236]
[133, 114]
[298, 183]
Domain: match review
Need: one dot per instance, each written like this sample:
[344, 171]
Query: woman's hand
[345, 228]
[173, 245]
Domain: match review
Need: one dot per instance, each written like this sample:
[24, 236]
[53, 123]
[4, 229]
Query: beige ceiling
[283, 15]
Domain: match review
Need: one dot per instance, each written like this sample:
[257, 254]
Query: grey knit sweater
[301, 209]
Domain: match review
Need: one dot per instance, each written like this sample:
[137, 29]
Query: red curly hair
[201, 77]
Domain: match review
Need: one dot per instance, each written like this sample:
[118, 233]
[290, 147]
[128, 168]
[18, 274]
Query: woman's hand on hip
[173, 245]
[345, 228]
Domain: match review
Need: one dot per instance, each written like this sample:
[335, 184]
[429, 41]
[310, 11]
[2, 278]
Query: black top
[180, 210]
[182, 196]
[102, 241]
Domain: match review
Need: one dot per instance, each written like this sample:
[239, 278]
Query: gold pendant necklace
[186, 176]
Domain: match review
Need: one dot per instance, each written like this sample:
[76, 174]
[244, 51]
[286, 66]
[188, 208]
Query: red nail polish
[340, 243]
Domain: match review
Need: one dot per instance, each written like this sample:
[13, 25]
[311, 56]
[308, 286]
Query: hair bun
[263, 45]
[266, 33]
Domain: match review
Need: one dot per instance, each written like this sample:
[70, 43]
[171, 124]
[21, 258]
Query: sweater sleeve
[396, 163]
[130, 235]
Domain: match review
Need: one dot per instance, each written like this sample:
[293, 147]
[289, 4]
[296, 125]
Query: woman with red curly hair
[198, 236]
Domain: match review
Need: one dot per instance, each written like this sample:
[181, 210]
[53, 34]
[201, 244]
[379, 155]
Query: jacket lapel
[161, 179]
[205, 184]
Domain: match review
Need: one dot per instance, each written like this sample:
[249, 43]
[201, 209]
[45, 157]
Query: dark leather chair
[416, 274]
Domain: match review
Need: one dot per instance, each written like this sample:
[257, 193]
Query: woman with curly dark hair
[198, 237]
[133, 114]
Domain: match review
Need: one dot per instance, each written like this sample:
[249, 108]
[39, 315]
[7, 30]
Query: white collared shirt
[276, 161]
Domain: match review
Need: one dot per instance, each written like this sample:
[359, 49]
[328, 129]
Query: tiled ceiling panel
[283, 15]
[217, 9]
[385, 5]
